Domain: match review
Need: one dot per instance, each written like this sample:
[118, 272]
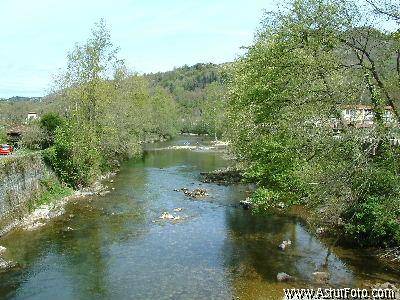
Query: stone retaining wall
[20, 185]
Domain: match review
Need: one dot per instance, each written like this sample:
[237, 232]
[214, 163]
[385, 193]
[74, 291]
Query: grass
[53, 190]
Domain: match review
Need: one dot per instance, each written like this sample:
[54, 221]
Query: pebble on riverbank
[321, 277]
[246, 204]
[4, 264]
[320, 231]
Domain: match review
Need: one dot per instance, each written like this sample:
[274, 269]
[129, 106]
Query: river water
[119, 248]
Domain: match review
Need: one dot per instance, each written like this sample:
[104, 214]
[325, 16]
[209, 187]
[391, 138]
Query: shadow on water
[118, 247]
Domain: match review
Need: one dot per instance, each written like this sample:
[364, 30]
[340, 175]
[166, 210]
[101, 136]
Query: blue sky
[153, 35]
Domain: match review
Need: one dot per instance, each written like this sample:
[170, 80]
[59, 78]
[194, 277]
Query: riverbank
[52, 208]
[232, 175]
[31, 194]
[41, 213]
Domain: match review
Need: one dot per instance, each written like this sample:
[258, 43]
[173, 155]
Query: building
[362, 116]
[31, 116]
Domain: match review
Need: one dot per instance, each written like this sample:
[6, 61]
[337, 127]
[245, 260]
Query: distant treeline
[200, 93]
[20, 98]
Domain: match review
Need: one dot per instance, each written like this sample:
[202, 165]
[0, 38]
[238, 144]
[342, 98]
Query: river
[116, 247]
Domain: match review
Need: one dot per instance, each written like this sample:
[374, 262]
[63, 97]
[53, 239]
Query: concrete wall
[20, 185]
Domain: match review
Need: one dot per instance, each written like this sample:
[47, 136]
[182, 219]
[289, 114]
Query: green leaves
[371, 222]
[108, 113]
[287, 92]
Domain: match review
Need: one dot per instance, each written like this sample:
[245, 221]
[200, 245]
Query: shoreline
[230, 176]
[41, 215]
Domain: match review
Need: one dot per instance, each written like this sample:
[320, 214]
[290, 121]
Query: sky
[153, 35]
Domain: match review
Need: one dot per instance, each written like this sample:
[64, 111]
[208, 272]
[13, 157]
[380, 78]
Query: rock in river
[284, 277]
[196, 193]
[246, 204]
[284, 244]
[2, 250]
[167, 216]
[321, 277]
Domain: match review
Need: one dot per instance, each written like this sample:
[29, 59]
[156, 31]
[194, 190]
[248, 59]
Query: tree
[49, 123]
[109, 112]
[388, 8]
[213, 109]
[308, 60]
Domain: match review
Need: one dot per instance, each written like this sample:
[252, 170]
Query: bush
[49, 123]
[374, 222]
[33, 137]
[52, 190]
[74, 155]
[3, 136]
[264, 199]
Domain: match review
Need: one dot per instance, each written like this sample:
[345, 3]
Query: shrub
[374, 222]
[74, 155]
[3, 136]
[49, 123]
[52, 190]
[33, 137]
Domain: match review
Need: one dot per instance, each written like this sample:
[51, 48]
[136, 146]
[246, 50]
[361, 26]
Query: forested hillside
[200, 92]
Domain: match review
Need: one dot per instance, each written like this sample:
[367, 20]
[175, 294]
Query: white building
[361, 116]
[31, 116]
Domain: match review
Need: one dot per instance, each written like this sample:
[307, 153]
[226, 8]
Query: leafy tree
[310, 59]
[213, 109]
[108, 112]
[3, 135]
[49, 123]
[189, 86]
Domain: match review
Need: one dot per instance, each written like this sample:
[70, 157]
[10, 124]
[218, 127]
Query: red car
[6, 149]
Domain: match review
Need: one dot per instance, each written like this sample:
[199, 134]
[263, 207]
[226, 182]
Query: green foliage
[108, 113]
[264, 199]
[163, 113]
[3, 135]
[52, 190]
[199, 92]
[188, 78]
[73, 158]
[285, 94]
[49, 122]
[374, 222]
[33, 137]
[213, 109]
